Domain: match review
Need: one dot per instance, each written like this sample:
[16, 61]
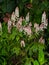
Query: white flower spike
[19, 23]
[13, 18]
[44, 20]
[27, 17]
[43, 17]
[0, 28]
[17, 12]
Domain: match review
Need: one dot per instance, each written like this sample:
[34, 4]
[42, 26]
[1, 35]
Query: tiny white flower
[13, 17]
[17, 12]
[41, 40]
[22, 43]
[9, 26]
[27, 17]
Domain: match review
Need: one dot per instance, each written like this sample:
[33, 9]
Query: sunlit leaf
[36, 62]
[27, 62]
[16, 50]
[41, 56]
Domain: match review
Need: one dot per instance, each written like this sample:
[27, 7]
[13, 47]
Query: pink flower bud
[41, 40]
[19, 23]
[22, 43]
[36, 26]
[27, 30]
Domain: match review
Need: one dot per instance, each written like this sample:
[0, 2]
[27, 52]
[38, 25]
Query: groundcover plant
[24, 33]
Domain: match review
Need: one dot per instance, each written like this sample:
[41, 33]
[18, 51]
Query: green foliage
[16, 50]
[28, 62]
[41, 57]
[36, 62]
[10, 45]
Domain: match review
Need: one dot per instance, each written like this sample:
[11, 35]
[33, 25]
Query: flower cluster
[28, 30]
[41, 27]
[23, 24]
[43, 24]
[17, 21]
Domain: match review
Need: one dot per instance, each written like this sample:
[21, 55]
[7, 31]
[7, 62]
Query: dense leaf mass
[17, 48]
